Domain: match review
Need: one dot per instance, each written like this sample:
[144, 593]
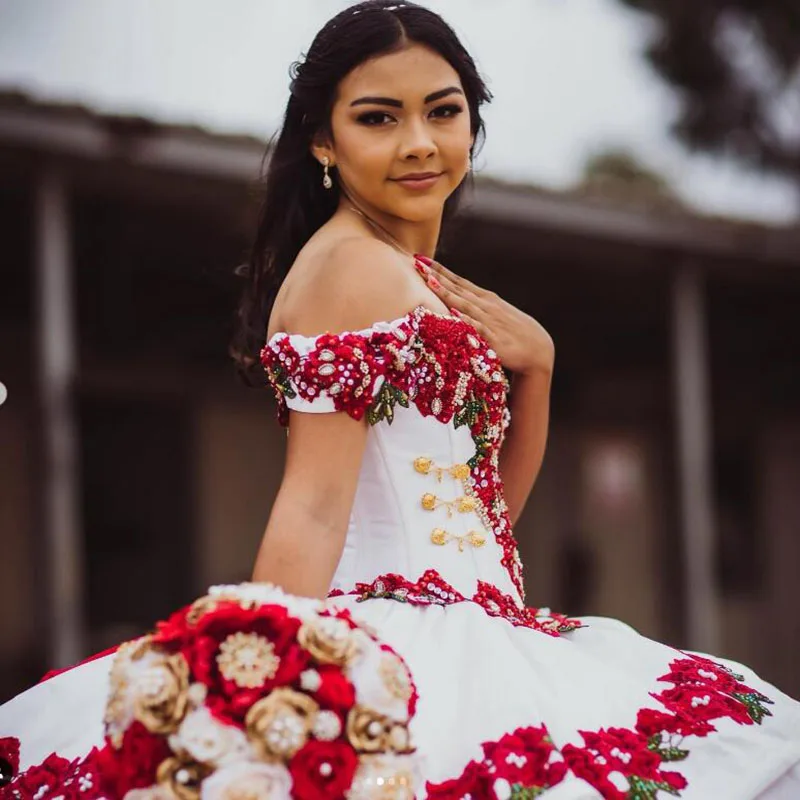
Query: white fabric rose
[210, 741]
[256, 781]
[376, 686]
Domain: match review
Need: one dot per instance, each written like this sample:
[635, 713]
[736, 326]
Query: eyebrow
[390, 101]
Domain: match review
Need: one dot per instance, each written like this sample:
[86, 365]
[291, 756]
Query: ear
[320, 148]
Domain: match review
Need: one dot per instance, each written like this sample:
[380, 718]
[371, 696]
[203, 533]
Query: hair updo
[294, 203]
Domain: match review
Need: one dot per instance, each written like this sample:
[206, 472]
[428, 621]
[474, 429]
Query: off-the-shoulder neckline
[418, 310]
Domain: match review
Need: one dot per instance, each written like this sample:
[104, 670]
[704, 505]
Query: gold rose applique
[247, 659]
[280, 723]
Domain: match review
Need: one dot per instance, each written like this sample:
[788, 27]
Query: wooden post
[61, 490]
[694, 445]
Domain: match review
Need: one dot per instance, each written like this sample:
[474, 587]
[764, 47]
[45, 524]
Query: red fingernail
[424, 259]
[455, 311]
[433, 283]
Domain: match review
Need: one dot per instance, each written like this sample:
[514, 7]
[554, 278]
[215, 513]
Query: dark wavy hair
[294, 203]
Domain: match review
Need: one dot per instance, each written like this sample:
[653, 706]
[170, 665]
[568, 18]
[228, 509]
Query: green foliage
[736, 66]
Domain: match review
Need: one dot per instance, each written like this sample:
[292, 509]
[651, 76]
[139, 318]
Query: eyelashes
[375, 118]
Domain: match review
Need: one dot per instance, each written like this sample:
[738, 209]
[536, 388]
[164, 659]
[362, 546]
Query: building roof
[76, 131]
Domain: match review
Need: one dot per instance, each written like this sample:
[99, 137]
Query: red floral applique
[522, 764]
[9, 759]
[621, 763]
[632, 763]
[432, 589]
[497, 604]
[57, 778]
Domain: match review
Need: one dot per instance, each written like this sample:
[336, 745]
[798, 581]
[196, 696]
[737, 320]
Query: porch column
[63, 559]
[694, 446]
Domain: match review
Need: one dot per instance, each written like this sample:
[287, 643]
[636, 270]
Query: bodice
[429, 496]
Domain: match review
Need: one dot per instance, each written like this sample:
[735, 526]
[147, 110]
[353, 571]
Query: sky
[568, 80]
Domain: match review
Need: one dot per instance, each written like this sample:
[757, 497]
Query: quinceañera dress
[514, 702]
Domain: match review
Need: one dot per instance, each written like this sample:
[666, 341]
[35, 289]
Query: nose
[417, 142]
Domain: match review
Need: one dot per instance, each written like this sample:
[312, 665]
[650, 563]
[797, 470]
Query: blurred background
[639, 194]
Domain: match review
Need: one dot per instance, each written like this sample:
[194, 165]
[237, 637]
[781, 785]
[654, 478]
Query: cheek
[365, 159]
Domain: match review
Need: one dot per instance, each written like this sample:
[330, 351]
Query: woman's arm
[523, 449]
[305, 533]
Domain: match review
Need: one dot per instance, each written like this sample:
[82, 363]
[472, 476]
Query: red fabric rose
[473, 781]
[522, 757]
[226, 700]
[50, 774]
[323, 770]
[335, 691]
[134, 765]
[9, 752]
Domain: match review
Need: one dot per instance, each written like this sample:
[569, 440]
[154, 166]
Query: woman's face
[396, 118]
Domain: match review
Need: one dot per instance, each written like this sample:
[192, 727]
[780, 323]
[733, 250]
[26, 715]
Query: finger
[453, 299]
[445, 277]
[440, 270]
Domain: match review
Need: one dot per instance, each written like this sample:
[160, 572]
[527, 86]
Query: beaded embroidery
[432, 589]
[437, 361]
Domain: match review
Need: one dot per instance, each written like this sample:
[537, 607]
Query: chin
[418, 209]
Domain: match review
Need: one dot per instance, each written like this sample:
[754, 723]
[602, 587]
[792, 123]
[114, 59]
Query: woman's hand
[521, 343]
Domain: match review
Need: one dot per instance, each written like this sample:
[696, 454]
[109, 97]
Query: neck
[413, 237]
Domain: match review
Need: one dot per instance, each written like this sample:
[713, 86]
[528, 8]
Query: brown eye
[374, 118]
[447, 111]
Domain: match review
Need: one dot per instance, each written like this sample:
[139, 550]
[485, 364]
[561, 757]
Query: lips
[419, 180]
[418, 176]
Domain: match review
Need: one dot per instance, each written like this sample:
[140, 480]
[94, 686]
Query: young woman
[405, 474]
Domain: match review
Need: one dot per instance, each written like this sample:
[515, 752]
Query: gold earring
[326, 178]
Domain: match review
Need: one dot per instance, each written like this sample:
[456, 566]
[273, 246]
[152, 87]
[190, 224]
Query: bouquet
[253, 693]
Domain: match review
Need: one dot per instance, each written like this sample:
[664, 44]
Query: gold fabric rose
[329, 640]
[119, 708]
[395, 677]
[182, 778]
[279, 724]
[161, 702]
[371, 732]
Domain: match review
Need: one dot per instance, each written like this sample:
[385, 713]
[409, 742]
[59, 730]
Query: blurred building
[135, 469]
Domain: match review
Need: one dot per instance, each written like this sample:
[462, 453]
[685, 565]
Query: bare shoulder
[350, 284]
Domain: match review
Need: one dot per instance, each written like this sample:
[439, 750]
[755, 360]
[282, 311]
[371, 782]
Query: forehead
[408, 74]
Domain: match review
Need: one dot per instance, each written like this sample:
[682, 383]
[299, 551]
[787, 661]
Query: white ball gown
[514, 702]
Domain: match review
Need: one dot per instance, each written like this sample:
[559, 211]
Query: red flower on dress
[704, 705]
[473, 782]
[703, 673]
[651, 722]
[624, 750]
[335, 691]
[524, 757]
[228, 700]
[143, 752]
[594, 769]
[323, 769]
[9, 753]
